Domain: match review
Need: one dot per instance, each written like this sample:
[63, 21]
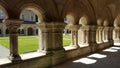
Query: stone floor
[108, 58]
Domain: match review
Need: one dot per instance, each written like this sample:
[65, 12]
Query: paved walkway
[4, 52]
[108, 58]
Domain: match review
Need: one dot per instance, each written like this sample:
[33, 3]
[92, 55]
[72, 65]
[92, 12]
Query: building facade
[28, 28]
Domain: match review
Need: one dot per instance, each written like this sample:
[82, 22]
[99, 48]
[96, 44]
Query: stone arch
[70, 18]
[106, 23]
[99, 22]
[81, 9]
[108, 17]
[117, 21]
[84, 20]
[30, 31]
[35, 9]
[5, 11]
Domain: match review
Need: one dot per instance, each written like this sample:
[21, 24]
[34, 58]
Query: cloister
[94, 26]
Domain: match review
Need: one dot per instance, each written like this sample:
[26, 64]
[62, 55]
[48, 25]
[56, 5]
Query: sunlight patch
[115, 48]
[85, 61]
[110, 50]
[98, 56]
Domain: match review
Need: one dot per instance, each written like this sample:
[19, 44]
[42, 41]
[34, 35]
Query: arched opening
[36, 31]
[82, 32]
[22, 31]
[99, 32]
[31, 16]
[106, 31]
[0, 32]
[4, 41]
[7, 31]
[19, 32]
[30, 31]
[116, 31]
[69, 34]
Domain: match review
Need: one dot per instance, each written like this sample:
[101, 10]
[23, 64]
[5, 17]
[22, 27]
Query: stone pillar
[100, 34]
[13, 26]
[72, 38]
[51, 36]
[3, 30]
[90, 37]
[97, 35]
[106, 34]
[108, 31]
[116, 35]
[111, 34]
[51, 41]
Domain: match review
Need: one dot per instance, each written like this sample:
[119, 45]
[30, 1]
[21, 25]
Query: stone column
[100, 32]
[97, 35]
[90, 37]
[116, 35]
[3, 30]
[51, 36]
[13, 26]
[106, 34]
[111, 34]
[51, 41]
[72, 38]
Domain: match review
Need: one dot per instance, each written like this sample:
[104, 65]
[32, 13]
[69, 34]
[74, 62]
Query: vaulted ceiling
[57, 10]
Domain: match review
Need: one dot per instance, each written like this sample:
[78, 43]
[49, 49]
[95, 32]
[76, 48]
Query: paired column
[108, 35]
[13, 26]
[51, 37]
[89, 39]
[99, 35]
[116, 34]
[74, 34]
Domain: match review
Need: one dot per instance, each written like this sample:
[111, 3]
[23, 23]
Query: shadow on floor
[108, 58]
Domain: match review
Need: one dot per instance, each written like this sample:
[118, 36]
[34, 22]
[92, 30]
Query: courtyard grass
[29, 43]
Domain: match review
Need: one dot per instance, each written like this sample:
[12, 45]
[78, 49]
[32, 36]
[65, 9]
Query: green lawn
[29, 43]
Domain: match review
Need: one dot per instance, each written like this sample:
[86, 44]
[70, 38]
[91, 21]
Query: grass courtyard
[29, 43]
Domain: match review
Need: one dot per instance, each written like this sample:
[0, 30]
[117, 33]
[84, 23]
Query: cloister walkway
[108, 58]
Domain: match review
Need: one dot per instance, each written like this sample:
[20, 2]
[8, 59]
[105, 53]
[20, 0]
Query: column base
[15, 58]
[111, 42]
[58, 57]
[45, 52]
[93, 47]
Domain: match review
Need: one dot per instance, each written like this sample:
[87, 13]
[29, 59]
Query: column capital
[51, 27]
[73, 27]
[108, 28]
[13, 25]
[100, 27]
[88, 27]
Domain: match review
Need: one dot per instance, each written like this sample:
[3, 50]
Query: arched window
[0, 31]
[7, 31]
[36, 31]
[30, 31]
[22, 31]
